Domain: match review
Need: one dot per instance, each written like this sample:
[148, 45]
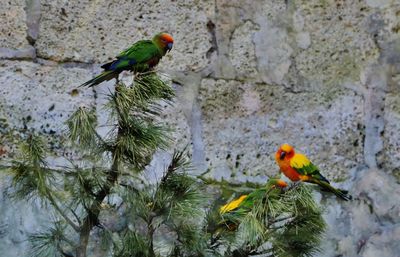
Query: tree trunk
[83, 239]
[92, 217]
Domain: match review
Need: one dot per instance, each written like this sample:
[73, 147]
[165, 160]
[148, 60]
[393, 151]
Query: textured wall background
[323, 75]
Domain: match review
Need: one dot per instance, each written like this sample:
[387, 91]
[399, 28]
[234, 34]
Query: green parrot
[142, 56]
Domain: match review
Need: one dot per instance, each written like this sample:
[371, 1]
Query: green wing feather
[304, 166]
[141, 52]
[136, 58]
[309, 169]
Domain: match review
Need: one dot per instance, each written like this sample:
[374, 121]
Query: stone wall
[323, 75]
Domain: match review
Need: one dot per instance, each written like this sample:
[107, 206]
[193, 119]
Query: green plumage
[315, 177]
[309, 169]
[269, 221]
[232, 218]
[343, 194]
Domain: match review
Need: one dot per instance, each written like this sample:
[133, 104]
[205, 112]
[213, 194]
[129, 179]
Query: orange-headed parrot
[142, 56]
[297, 167]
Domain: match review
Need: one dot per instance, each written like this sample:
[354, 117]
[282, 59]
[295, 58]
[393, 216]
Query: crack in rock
[374, 79]
[32, 10]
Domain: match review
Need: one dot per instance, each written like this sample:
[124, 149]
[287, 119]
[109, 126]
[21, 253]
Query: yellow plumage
[232, 205]
[299, 161]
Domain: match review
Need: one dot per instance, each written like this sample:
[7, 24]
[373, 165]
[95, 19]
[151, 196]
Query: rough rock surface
[13, 30]
[240, 116]
[88, 31]
[25, 100]
[13, 25]
[321, 75]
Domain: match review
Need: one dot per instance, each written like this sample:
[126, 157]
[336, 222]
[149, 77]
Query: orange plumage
[297, 167]
[284, 163]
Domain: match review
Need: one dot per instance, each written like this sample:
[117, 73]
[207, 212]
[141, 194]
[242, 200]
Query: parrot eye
[282, 156]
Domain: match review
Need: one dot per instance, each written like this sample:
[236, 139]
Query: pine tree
[78, 192]
[270, 221]
[173, 217]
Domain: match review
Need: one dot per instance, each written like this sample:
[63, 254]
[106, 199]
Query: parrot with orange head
[142, 56]
[297, 167]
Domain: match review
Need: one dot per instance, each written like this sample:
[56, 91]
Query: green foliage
[133, 245]
[169, 217]
[78, 190]
[300, 235]
[149, 87]
[34, 150]
[137, 140]
[82, 128]
[138, 134]
[49, 242]
[174, 206]
[289, 220]
[30, 176]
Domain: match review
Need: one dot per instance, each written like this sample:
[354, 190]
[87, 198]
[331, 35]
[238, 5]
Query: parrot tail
[342, 194]
[106, 75]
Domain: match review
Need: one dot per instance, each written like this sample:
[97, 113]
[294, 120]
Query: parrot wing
[138, 54]
[242, 204]
[304, 166]
[232, 205]
[141, 51]
[246, 202]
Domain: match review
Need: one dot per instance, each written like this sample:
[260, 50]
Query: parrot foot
[293, 185]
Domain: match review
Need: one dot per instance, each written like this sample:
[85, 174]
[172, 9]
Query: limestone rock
[244, 124]
[88, 31]
[391, 154]
[384, 244]
[340, 44]
[242, 53]
[303, 40]
[367, 225]
[13, 27]
[32, 10]
[378, 189]
[379, 3]
[40, 97]
[24, 53]
[18, 220]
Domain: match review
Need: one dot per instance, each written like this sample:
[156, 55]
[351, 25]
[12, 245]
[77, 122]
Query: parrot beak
[282, 156]
[169, 46]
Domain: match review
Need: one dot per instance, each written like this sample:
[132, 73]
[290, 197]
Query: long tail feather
[342, 194]
[106, 75]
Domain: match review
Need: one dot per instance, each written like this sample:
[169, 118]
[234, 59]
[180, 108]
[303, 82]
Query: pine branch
[280, 219]
[133, 140]
[82, 128]
[289, 220]
[76, 216]
[46, 169]
[61, 212]
[178, 161]
[91, 218]
[130, 187]
[48, 243]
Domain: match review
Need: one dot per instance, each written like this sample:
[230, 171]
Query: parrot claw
[293, 185]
